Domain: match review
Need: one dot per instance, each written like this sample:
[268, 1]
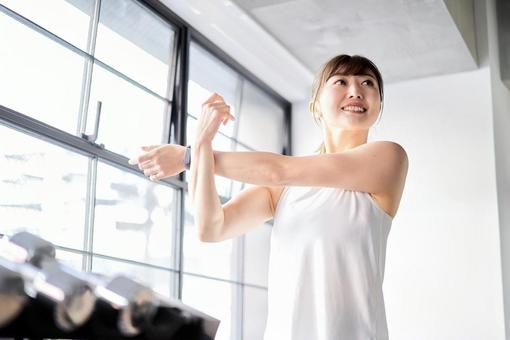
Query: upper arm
[377, 167]
[248, 209]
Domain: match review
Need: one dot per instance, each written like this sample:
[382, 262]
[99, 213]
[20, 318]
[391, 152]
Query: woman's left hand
[161, 161]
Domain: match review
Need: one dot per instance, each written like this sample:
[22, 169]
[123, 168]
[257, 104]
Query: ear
[315, 112]
[310, 106]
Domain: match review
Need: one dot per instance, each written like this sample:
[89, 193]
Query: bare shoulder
[388, 147]
[389, 201]
[392, 152]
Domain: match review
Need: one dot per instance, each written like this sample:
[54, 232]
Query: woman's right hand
[161, 161]
[215, 111]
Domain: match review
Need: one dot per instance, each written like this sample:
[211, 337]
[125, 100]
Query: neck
[342, 140]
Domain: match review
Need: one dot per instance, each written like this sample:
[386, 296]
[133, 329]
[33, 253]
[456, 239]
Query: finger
[148, 156]
[214, 97]
[141, 158]
[229, 117]
[221, 108]
[150, 171]
[149, 147]
[154, 177]
[145, 165]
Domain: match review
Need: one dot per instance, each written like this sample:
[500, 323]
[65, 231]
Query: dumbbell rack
[35, 322]
[41, 298]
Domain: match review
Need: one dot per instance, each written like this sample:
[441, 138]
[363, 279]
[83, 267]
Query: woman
[332, 211]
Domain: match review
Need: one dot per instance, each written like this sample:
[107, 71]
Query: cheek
[327, 97]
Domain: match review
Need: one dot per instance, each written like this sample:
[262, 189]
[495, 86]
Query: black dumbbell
[12, 292]
[28, 248]
[66, 290]
[125, 304]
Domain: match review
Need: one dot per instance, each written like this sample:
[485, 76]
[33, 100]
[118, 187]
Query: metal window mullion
[170, 93]
[90, 204]
[238, 316]
[233, 139]
[88, 68]
[177, 134]
[178, 222]
[237, 327]
[239, 104]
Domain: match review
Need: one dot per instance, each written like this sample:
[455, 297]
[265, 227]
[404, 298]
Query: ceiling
[406, 38]
[284, 42]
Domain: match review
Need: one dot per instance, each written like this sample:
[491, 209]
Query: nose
[355, 91]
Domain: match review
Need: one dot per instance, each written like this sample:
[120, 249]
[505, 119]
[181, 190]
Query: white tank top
[326, 266]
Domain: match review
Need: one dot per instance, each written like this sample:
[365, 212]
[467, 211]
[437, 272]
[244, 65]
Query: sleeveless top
[326, 266]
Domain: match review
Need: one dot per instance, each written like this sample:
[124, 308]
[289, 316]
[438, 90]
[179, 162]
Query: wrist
[201, 141]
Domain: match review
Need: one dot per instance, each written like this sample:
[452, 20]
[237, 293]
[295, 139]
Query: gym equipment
[43, 298]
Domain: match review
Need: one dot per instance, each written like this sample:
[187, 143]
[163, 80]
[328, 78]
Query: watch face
[187, 157]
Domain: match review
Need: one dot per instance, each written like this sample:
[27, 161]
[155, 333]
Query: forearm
[258, 168]
[208, 212]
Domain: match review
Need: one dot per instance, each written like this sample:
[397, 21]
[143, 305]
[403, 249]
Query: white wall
[443, 275]
[501, 114]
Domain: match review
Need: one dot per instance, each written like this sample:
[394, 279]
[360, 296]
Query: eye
[369, 82]
[341, 80]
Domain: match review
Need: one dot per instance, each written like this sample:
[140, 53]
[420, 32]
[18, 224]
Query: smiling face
[347, 93]
[350, 102]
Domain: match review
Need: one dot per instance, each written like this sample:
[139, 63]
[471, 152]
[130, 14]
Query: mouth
[354, 109]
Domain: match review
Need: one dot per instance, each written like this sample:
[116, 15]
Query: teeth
[354, 108]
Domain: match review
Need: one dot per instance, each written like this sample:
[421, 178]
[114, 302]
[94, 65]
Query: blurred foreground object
[43, 298]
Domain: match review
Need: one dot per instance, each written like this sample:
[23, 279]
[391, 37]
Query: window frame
[179, 74]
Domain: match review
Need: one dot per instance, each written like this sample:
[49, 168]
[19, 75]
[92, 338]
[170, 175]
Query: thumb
[149, 147]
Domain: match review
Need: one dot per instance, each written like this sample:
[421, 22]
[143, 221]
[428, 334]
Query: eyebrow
[359, 74]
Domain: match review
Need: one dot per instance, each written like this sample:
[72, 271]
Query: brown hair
[347, 65]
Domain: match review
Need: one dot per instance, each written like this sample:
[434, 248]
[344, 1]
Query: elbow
[204, 237]
[205, 234]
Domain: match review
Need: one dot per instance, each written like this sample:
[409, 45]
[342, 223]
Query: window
[30, 169]
[134, 218]
[66, 64]
[40, 77]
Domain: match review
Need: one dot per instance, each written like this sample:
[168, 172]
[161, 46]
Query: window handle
[93, 137]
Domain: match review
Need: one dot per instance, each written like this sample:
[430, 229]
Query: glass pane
[256, 255]
[219, 143]
[161, 281]
[130, 117]
[255, 313]
[216, 259]
[44, 189]
[136, 42]
[207, 74]
[214, 298]
[260, 115]
[67, 19]
[70, 259]
[191, 129]
[39, 77]
[134, 218]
